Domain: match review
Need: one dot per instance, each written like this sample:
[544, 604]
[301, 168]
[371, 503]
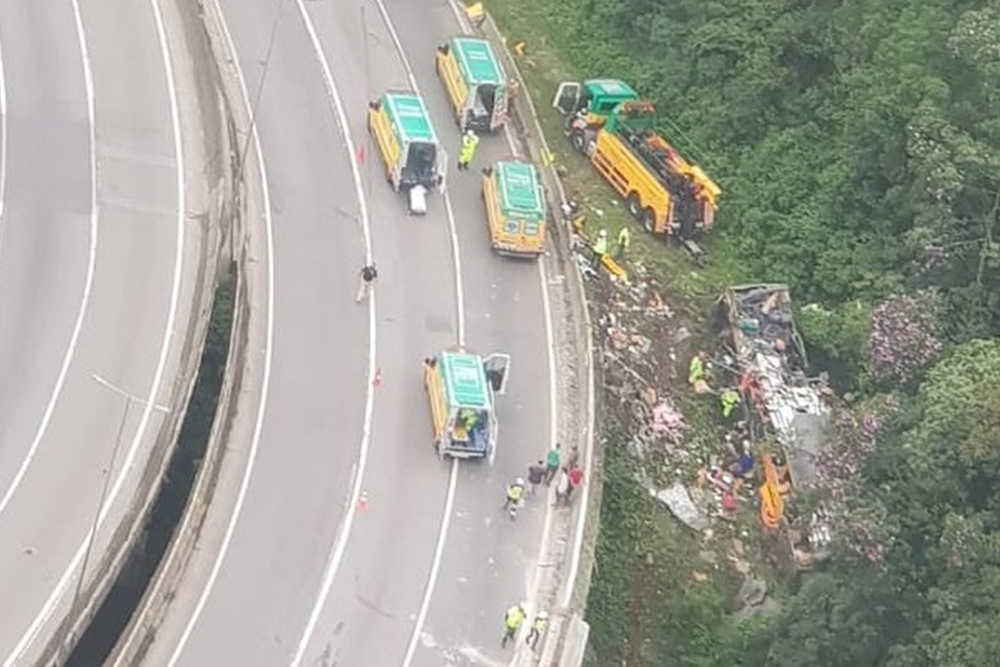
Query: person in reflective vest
[515, 493]
[624, 239]
[538, 628]
[730, 399]
[600, 247]
[696, 371]
[512, 621]
[469, 143]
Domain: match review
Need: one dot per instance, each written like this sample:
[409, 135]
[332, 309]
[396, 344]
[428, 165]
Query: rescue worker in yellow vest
[538, 628]
[515, 494]
[730, 399]
[600, 247]
[624, 239]
[512, 621]
[696, 370]
[469, 143]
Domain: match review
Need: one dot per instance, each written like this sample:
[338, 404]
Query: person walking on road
[368, 276]
[562, 488]
[469, 143]
[552, 463]
[512, 621]
[538, 628]
[536, 475]
[574, 457]
[575, 478]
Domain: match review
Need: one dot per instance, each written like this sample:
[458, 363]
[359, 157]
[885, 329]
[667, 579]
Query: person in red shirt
[575, 480]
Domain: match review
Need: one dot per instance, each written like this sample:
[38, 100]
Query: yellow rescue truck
[515, 208]
[664, 192]
[461, 388]
[475, 82]
[413, 158]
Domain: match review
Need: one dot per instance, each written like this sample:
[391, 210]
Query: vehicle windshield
[421, 161]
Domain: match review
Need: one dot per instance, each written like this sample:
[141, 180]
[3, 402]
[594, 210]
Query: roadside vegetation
[858, 149]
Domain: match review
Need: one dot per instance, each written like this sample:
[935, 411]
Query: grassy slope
[645, 606]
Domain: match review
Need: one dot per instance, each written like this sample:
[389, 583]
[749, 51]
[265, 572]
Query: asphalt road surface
[290, 570]
[91, 243]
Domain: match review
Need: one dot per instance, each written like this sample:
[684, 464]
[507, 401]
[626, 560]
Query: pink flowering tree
[904, 337]
[858, 520]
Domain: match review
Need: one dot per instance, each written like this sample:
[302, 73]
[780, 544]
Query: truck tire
[634, 206]
[648, 219]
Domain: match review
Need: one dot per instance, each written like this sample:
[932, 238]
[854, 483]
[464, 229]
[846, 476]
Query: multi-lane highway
[290, 569]
[96, 278]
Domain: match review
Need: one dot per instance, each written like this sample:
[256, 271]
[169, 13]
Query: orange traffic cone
[363, 501]
[378, 378]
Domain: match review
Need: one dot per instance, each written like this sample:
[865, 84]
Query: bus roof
[476, 60]
[517, 183]
[610, 88]
[409, 117]
[464, 380]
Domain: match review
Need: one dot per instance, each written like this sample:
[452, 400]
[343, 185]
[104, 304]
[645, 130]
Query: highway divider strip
[105, 572]
[224, 225]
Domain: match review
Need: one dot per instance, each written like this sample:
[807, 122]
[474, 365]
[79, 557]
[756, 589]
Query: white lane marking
[81, 314]
[266, 382]
[425, 604]
[56, 595]
[343, 534]
[3, 140]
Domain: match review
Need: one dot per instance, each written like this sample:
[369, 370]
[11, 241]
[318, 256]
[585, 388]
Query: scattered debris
[678, 500]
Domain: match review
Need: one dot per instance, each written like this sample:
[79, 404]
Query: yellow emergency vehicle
[461, 388]
[413, 158]
[475, 82]
[515, 208]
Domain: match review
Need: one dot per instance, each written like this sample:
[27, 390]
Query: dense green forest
[858, 147]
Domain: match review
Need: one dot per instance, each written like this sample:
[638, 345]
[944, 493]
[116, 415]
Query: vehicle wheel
[634, 206]
[578, 140]
[648, 220]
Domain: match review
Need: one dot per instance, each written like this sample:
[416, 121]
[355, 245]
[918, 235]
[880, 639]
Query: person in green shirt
[552, 463]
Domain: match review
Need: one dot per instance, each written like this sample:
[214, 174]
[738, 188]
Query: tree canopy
[858, 148]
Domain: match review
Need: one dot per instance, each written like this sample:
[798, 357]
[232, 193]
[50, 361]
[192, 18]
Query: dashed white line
[343, 534]
[81, 314]
[265, 384]
[57, 593]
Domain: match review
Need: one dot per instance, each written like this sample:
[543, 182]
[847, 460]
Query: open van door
[491, 446]
[442, 169]
[567, 97]
[497, 367]
[501, 102]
